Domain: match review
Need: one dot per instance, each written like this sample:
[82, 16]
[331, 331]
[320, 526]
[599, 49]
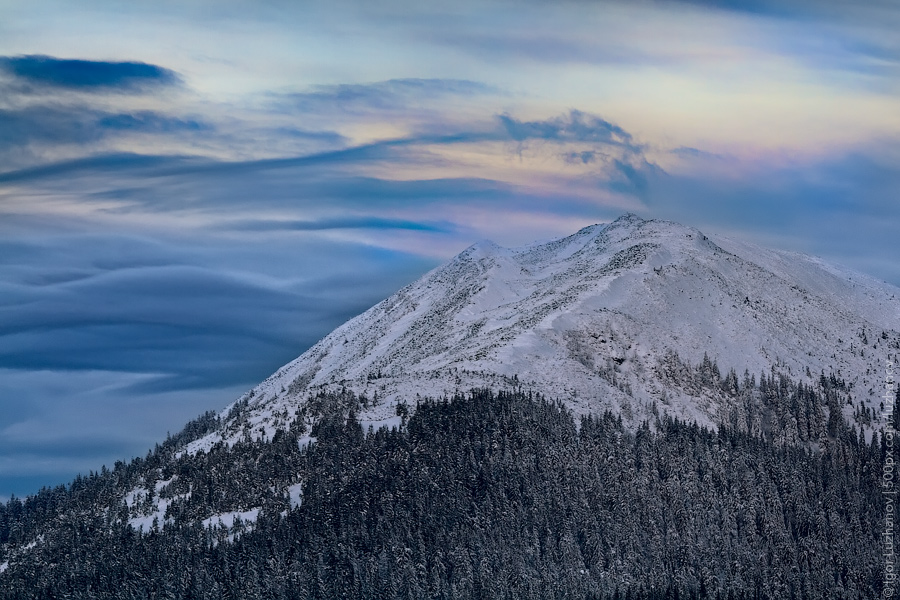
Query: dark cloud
[384, 95]
[150, 122]
[584, 157]
[796, 9]
[360, 192]
[40, 128]
[760, 7]
[403, 150]
[116, 304]
[336, 223]
[86, 75]
[689, 152]
[326, 137]
[632, 178]
[47, 125]
[616, 160]
[171, 166]
[121, 162]
[574, 127]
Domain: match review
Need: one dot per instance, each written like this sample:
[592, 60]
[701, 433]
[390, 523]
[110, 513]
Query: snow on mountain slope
[593, 319]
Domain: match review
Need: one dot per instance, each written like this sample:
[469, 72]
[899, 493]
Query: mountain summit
[613, 317]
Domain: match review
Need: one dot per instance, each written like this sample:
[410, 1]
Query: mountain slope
[488, 496]
[601, 320]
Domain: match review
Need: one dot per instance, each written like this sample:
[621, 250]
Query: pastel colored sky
[192, 193]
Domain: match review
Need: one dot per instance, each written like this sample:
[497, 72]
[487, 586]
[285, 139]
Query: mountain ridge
[591, 318]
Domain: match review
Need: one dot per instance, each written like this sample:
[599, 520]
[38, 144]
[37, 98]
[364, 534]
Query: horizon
[192, 194]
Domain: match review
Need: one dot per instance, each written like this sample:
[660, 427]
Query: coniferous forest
[488, 495]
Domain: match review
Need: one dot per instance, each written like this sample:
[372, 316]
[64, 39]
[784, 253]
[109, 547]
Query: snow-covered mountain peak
[596, 319]
[480, 249]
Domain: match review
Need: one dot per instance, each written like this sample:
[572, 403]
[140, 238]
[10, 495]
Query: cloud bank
[86, 75]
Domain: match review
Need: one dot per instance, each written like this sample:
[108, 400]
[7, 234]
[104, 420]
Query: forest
[490, 494]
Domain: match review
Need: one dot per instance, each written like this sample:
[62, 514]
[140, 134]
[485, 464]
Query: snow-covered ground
[148, 507]
[295, 494]
[21, 554]
[227, 520]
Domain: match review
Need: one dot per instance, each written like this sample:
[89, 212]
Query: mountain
[604, 319]
[634, 411]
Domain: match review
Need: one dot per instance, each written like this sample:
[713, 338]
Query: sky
[192, 193]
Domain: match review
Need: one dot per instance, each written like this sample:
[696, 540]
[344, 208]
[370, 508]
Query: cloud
[336, 223]
[326, 137]
[186, 314]
[301, 196]
[694, 153]
[613, 157]
[86, 75]
[324, 183]
[147, 121]
[392, 94]
[124, 161]
[41, 130]
[584, 157]
[804, 9]
[423, 114]
[577, 126]
[49, 125]
[632, 177]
